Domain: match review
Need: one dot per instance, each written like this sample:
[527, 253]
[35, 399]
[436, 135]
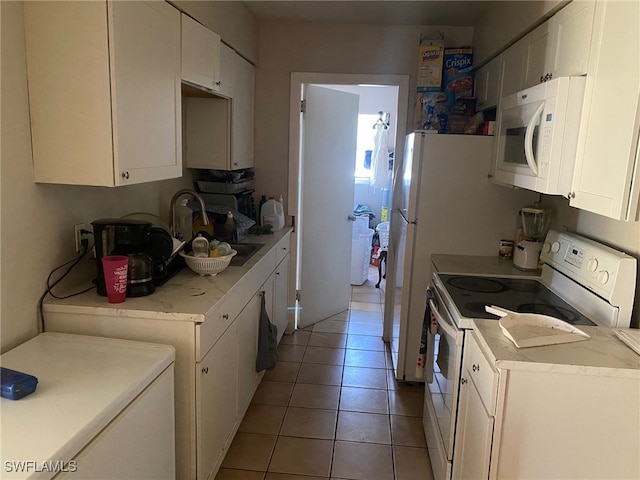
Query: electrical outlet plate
[79, 236]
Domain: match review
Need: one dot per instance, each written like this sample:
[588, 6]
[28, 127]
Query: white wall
[351, 49]
[36, 219]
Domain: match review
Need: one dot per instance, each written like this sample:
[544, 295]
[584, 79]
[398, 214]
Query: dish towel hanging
[267, 340]
[429, 324]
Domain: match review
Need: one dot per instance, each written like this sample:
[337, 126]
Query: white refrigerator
[444, 203]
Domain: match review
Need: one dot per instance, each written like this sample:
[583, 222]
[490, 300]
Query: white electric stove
[581, 282]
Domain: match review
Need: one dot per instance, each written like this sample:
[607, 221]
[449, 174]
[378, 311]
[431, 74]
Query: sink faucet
[174, 199]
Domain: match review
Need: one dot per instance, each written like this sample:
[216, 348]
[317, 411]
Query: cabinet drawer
[282, 248]
[483, 375]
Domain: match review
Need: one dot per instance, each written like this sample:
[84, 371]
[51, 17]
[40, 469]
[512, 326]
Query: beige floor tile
[286, 476]
[318, 374]
[299, 337]
[340, 317]
[367, 316]
[365, 306]
[364, 377]
[250, 451]
[412, 463]
[309, 423]
[388, 359]
[407, 431]
[283, 372]
[265, 419]
[291, 353]
[302, 456]
[365, 328]
[366, 342]
[365, 400]
[315, 396]
[331, 326]
[367, 297]
[362, 461]
[364, 358]
[230, 474]
[329, 340]
[273, 393]
[363, 427]
[327, 356]
[406, 402]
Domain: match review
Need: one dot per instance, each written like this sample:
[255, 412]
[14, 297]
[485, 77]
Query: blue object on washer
[16, 385]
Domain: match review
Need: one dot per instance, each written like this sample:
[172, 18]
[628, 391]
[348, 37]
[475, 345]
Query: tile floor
[332, 408]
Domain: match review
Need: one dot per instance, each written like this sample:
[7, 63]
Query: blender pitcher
[535, 223]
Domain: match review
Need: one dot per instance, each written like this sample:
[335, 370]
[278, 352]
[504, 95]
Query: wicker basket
[208, 265]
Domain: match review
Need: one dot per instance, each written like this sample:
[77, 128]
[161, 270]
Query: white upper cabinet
[104, 91]
[219, 131]
[606, 175]
[227, 60]
[200, 55]
[558, 48]
[487, 84]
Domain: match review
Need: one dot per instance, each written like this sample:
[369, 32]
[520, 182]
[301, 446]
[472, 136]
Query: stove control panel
[602, 269]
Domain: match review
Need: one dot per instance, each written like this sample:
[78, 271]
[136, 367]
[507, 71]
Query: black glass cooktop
[472, 293]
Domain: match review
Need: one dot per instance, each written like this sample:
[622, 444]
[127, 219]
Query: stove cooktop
[472, 293]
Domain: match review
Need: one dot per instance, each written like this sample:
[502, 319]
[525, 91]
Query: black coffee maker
[125, 237]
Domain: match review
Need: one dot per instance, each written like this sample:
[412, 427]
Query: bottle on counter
[184, 220]
[263, 200]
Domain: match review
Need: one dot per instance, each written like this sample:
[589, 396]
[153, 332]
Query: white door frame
[298, 79]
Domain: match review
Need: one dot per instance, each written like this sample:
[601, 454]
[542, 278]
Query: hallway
[331, 408]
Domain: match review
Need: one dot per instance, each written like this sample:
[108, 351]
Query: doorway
[325, 282]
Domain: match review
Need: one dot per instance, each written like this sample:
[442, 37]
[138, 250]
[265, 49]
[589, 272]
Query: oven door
[441, 390]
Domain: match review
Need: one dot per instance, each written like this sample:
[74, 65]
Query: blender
[535, 223]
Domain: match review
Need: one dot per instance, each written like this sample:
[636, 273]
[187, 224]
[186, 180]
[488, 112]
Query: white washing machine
[102, 409]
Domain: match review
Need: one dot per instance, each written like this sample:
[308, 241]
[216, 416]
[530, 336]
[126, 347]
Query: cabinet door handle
[463, 381]
[225, 316]
[205, 370]
[277, 273]
[541, 79]
[475, 368]
[218, 83]
[125, 175]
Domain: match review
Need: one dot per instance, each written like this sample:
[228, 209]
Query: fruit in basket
[224, 247]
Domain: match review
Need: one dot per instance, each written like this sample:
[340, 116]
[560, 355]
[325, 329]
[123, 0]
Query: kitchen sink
[245, 252]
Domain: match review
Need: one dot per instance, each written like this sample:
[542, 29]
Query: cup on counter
[115, 268]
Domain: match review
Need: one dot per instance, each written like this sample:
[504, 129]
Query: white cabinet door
[571, 28]
[281, 297]
[511, 68]
[487, 87]
[537, 53]
[115, 70]
[200, 54]
[606, 176]
[474, 433]
[248, 378]
[227, 59]
[242, 114]
[216, 401]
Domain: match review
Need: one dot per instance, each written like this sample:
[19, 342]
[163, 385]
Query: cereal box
[428, 106]
[457, 77]
[430, 58]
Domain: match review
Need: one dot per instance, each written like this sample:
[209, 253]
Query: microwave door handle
[528, 140]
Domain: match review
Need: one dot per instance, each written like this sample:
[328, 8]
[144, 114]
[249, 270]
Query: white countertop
[185, 297]
[83, 383]
[602, 354]
[478, 265]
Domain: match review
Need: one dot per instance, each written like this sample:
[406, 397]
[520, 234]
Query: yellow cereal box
[430, 58]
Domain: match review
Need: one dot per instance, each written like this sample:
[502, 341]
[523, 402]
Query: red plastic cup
[115, 269]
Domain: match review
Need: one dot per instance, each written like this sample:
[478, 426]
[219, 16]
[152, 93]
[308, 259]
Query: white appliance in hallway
[444, 203]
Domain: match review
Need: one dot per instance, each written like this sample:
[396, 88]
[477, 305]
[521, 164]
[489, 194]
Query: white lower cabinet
[281, 296]
[520, 415]
[216, 401]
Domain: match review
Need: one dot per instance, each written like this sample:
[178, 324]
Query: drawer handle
[463, 381]
[475, 368]
[205, 370]
[225, 316]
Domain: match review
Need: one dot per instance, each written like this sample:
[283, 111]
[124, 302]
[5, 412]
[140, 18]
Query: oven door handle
[445, 325]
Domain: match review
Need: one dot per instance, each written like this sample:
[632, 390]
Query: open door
[328, 145]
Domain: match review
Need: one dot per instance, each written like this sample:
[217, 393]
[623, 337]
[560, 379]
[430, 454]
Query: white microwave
[538, 135]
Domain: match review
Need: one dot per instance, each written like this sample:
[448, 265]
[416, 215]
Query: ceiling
[382, 12]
